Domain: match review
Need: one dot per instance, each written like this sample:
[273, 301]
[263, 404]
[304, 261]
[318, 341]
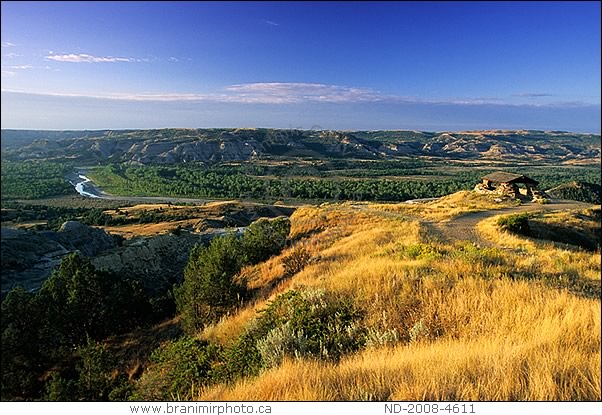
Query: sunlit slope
[514, 320]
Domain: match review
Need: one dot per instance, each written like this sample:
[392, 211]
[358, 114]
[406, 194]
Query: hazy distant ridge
[168, 146]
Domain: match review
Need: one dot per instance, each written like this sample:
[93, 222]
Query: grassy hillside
[513, 320]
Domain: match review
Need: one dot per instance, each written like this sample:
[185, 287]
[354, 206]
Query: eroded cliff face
[157, 262]
[29, 257]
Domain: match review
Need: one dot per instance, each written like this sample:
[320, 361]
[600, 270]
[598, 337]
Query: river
[80, 187]
[87, 188]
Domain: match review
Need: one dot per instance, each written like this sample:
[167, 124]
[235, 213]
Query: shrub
[326, 322]
[175, 367]
[264, 238]
[421, 251]
[295, 261]
[471, 253]
[377, 338]
[243, 358]
[94, 380]
[419, 331]
[280, 342]
[297, 324]
[518, 224]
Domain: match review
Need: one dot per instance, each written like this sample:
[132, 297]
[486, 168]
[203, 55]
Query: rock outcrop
[157, 262]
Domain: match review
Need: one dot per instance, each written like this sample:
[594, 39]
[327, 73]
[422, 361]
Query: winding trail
[463, 227]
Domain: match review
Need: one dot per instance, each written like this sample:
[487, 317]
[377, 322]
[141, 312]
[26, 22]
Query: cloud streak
[85, 58]
[285, 93]
[271, 23]
[7, 44]
[11, 55]
[533, 95]
[24, 67]
[297, 92]
[21, 67]
[10, 71]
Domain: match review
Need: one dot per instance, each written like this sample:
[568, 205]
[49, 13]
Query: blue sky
[342, 65]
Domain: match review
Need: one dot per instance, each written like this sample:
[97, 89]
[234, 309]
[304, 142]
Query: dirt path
[463, 227]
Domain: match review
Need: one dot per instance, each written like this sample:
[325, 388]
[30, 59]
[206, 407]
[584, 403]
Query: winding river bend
[87, 188]
[80, 187]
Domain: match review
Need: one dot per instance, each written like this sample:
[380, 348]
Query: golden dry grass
[148, 229]
[448, 207]
[472, 323]
[228, 328]
[448, 370]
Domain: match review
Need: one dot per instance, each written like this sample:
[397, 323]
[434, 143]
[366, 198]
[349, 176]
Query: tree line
[34, 179]
[240, 181]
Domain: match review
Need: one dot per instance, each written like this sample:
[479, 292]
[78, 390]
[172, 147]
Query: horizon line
[304, 129]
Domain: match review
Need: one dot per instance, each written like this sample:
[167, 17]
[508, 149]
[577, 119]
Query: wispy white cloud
[7, 44]
[176, 59]
[24, 67]
[85, 58]
[533, 95]
[299, 93]
[11, 55]
[21, 67]
[143, 96]
[271, 23]
[293, 93]
[254, 93]
[12, 70]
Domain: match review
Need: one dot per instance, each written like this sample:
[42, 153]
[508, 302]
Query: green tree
[83, 302]
[77, 298]
[58, 389]
[208, 290]
[21, 361]
[94, 381]
[264, 238]
[41, 331]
